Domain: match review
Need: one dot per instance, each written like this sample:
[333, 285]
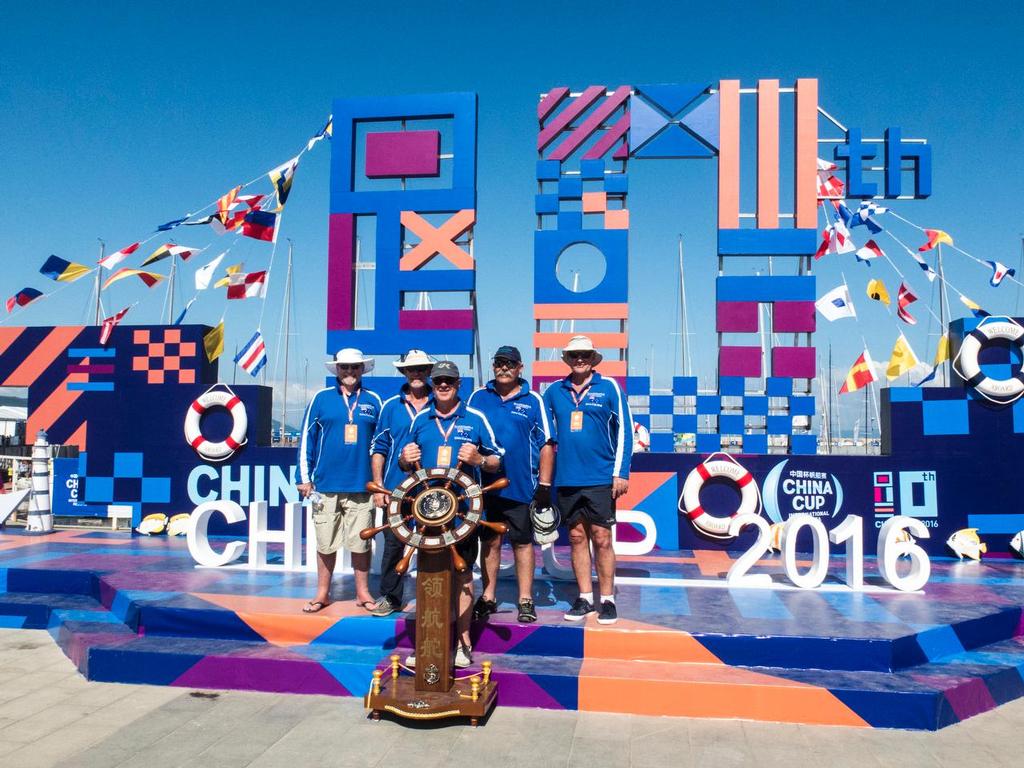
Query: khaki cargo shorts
[339, 520]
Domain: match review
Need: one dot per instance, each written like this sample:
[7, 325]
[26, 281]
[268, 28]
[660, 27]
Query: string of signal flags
[836, 304]
[256, 216]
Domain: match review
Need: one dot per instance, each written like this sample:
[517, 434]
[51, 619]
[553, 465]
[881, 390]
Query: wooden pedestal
[400, 697]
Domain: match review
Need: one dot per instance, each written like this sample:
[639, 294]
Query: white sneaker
[463, 656]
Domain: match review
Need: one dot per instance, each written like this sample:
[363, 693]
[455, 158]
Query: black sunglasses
[444, 382]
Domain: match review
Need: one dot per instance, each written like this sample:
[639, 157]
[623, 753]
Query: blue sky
[117, 117]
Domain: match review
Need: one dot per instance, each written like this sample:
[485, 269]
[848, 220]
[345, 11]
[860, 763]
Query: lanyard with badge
[576, 419]
[351, 429]
[444, 452]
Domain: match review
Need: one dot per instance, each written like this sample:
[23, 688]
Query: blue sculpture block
[662, 442]
[731, 386]
[548, 245]
[780, 425]
[661, 404]
[855, 152]
[764, 288]
[755, 405]
[945, 417]
[570, 188]
[709, 443]
[803, 445]
[801, 405]
[570, 220]
[548, 170]
[684, 423]
[755, 443]
[616, 184]
[767, 242]
[684, 385]
[638, 385]
[709, 404]
[779, 386]
[592, 170]
[546, 204]
[896, 151]
[730, 424]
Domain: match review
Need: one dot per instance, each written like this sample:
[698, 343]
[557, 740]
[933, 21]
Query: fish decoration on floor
[152, 524]
[775, 542]
[966, 543]
[178, 524]
[1017, 544]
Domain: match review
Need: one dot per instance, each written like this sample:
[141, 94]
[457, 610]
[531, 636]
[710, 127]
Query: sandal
[367, 605]
[314, 606]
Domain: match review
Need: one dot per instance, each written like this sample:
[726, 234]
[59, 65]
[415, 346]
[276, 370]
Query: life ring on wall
[239, 425]
[750, 499]
[966, 364]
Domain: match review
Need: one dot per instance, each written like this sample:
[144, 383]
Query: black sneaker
[580, 610]
[527, 613]
[608, 614]
[484, 608]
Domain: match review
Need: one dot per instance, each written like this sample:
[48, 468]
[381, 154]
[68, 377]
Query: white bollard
[40, 514]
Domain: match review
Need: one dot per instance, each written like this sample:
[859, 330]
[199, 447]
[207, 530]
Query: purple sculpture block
[736, 317]
[794, 362]
[793, 317]
[396, 154]
[435, 320]
[739, 361]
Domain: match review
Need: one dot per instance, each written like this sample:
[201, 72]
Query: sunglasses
[579, 355]
[417, 369]
[444, 383]
[505, 364]
[350, 367]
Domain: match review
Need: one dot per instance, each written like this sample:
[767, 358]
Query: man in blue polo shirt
[333, 469]
[594, 432]
[392, 430]
[520, 421]
[442, 435]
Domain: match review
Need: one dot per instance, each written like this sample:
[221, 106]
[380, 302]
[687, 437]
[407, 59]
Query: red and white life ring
[239, 425]
[968, 368]
[718, 527]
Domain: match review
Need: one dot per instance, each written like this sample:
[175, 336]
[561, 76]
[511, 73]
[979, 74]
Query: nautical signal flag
[205, 273]
[935, 237]
[181, 317]
[110, 323]
[253, 356]
[23, 298]
[169, 249]
[836, 304]
[229, 271]
[247, 285]
[111, 261]
[862, 218]
[902, 359]
[63, 271]
[869, 251]
[281, 177]
[976, 310]
[225, 203]
[878, 292]
[149, 278]
[835, 239]
[999, 271]
[260, 225]
[213, 342]
[327, 130]
[173, 223]
[862, 373]
[941, 356]
[924, 265]
[904, 298]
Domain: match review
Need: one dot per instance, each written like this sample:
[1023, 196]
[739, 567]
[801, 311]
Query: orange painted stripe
[637, 641]
[8, 336]
[56, 404]
[806, 166]
[580, 311]
[729, 154]
[767, 154]
[78, 436]
[601, 340]
[49, 349]
[560, 369]
[705, 690]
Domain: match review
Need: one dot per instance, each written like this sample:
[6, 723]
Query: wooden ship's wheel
[431, 511]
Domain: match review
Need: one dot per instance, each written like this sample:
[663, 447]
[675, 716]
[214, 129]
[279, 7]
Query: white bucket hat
[349, 356]
[581, 344]
[413, 358]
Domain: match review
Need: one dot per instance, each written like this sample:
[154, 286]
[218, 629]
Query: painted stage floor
[132, 609]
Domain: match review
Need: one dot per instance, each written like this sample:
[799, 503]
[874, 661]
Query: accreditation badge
[576, 421]
[351, 434]
[444, 456]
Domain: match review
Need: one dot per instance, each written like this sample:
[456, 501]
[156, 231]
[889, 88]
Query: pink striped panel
[552, 100]
[559, 122]
[767, 154]
[729, 154]
[593, 122]
[805, 185]
[613, 134]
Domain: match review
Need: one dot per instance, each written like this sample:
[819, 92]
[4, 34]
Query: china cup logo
[788, 491]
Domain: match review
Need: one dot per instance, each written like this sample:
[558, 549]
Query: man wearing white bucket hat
[594, 433]
[333, 469]
[392, 429]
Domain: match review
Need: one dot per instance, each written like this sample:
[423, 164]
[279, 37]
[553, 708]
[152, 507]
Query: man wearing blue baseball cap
[521, 425]
[594, 432]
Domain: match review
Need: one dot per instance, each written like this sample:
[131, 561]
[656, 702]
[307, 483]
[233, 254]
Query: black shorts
[469, 548]
[516, 514]
[590, 504]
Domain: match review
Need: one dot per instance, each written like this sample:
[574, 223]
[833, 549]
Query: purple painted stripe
[585, 129]
[255, 674]
[622, 152]
[970, 698]
[403, 154]
[340, 267]
[552, 100]
[435, 320]
[613, 134]
[793, 317]
[736, 317]
[90, 368]
[550, 131]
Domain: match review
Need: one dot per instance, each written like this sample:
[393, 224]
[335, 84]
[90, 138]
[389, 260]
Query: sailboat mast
[99, 284]
[943, 308]
[830, 398]
[170, 289]
[684, 339]
[287, 336]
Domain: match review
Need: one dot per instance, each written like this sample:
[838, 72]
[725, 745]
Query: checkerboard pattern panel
[164, 358]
